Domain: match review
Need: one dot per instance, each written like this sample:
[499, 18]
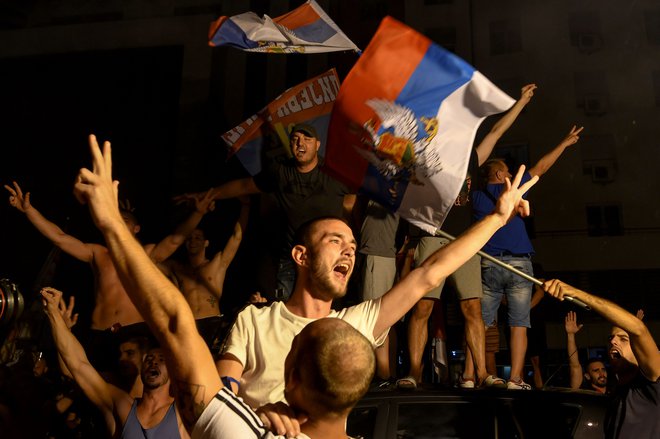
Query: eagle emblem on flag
[396, 148]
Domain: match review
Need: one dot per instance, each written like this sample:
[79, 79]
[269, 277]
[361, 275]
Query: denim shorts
[498, 282]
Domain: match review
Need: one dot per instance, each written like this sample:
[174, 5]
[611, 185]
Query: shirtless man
[112, 307]
[201, 280]
[152, 415]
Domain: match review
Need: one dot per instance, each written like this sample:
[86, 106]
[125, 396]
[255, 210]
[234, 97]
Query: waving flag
[306, 29]
[266, 134]
[404, 123]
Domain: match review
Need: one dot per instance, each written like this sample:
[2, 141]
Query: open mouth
[153, 373]
[342, 269]
[615, 354]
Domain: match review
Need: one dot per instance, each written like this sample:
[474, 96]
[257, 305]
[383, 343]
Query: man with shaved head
[326, 372]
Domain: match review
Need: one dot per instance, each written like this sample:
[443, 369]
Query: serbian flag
[306, 29]
[404, 122]
[265, 135]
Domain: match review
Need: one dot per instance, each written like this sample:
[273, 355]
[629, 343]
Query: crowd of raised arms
[160, 360]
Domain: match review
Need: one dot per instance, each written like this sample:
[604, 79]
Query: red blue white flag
[266, 134]
[306, 29]
[404, 122]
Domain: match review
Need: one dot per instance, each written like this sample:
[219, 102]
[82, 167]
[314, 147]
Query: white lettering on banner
[335, 81]
[327, 88]
[282, 111]
[251, 120]
[318, 99]
[309, 96]
[305, 102]
[234, 134]
[293, 104]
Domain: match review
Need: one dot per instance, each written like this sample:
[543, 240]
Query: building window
[652, 24]
[604, 220]
[656, 86]
[591, 92]
[505, 37]
[585, 31]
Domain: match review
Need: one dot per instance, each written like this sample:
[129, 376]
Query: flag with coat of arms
[404, 121]
[306, 29]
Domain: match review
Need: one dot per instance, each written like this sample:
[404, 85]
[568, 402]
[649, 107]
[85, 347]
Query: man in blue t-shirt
[511, 245]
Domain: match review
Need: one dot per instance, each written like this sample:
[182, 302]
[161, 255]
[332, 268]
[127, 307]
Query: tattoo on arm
[190, 401]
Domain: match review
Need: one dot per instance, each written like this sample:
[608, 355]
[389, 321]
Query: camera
[11, 302]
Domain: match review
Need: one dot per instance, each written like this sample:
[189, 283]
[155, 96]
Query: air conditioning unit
[589, 42]
[595, 104]
[603, 171]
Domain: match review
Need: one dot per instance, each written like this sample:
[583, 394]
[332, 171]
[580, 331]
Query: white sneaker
[520, 385]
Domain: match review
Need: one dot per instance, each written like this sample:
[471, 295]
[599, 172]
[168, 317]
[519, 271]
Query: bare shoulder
[148, 248]
[122, 402]
[101, 254]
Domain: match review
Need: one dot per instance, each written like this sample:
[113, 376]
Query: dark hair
[305, 229]
[143, 343]
[487, 168]
[131, 216]
[591, 360]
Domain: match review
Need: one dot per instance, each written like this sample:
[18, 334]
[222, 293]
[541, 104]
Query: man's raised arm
[69, 244]
[401, 298]
[572, 328]
[233, 243]
[641, 340]
[548, 160]
[163, 307]
[230, 189]
[168, 245]
[486, 146]
[113, 402]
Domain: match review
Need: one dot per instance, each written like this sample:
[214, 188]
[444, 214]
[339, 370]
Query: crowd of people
[297, 366]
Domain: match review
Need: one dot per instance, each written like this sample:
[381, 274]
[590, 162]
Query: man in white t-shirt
[324, 254]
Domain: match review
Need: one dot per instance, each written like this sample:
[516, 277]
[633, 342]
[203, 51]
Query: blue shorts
[498, 282]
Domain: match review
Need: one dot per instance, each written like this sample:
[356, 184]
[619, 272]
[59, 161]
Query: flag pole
[514, 270]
